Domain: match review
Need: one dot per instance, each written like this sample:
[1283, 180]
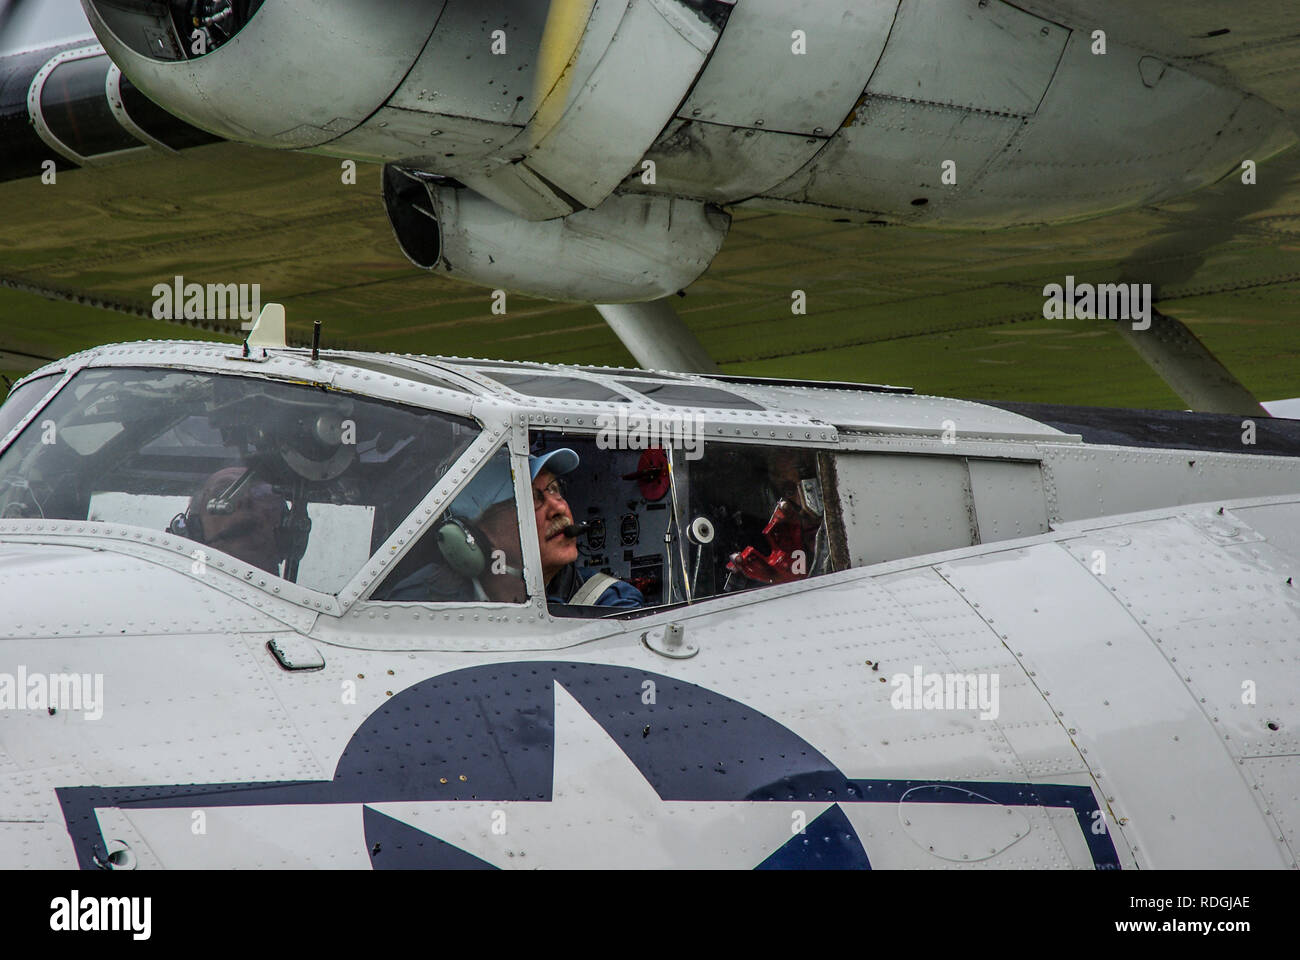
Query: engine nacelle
[285, 74]
[628, 249]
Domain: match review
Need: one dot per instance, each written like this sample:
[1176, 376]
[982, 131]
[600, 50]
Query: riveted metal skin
[932, 113]
[222, 90]
[670, 641]
[305, 729]
[36, 113]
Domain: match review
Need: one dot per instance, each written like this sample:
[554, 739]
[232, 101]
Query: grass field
[1076, 362]
[947, 312]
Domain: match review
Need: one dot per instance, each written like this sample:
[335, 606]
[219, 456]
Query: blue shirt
[567, 582]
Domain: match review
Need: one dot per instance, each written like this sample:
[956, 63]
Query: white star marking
[605, 814]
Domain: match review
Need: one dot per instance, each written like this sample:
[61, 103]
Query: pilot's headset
[220, 494]
[459, 539]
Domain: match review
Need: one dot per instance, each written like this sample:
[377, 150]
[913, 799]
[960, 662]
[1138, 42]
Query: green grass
[975, 356]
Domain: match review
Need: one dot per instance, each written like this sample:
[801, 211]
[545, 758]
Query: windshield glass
[22, 399]
[300, 481]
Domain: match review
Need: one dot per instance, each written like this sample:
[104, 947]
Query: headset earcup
[461, 549]
[187, 525]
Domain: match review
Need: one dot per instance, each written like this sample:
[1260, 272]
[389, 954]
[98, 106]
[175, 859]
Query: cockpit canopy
[301, 481]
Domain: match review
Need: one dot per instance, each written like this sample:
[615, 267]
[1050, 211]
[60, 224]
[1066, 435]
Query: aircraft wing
[952, 310]
[1254, 42]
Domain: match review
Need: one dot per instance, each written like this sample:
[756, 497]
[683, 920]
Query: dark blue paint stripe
[394, 845]
[828, 843]
[487, 733]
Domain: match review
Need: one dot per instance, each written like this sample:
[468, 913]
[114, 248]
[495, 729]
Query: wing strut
[657, 337]
[1190, 369]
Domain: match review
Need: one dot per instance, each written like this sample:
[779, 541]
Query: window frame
[832, 522]
[492, 425]
[59, 378]
[531, 564]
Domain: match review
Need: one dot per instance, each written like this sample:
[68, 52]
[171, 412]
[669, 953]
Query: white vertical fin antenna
[268, 330]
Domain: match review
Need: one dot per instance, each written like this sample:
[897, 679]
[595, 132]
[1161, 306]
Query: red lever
[646, 584]
[784, 533]
[651, 474]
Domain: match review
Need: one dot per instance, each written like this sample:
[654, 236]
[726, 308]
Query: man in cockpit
[565, 581]
[480, 546]
[239, 516]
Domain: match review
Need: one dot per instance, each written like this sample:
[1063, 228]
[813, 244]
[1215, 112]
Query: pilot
[565, 581]
[480, 540]
[243, 519]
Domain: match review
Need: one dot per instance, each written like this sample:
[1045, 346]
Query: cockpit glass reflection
[301, 482]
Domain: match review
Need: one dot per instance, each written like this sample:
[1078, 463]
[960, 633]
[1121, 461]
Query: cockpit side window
[764, 507]
[300, 481]
[472, 552]
[21, 400]
[688, 523]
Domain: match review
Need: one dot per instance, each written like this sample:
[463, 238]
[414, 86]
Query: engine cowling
[267, 73]
[630, 248]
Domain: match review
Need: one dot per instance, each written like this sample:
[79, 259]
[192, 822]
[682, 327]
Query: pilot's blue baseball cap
[492, 484]
[559, 461]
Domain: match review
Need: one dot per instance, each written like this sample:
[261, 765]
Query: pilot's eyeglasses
[553, 489]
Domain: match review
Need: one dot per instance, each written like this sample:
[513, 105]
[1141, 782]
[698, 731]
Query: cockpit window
[556, 388]
[396, 370]
[21, 400]
[676, 394]
[302, 482]
[763, 511]
[472, 553]
[688, 523]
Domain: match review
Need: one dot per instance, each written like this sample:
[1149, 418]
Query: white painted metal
[1073, 153]
[462, 73]
[226, 90]
[1101, 661]
[721, 163]
[892, 154]
[1009, 499]
[1122, 683]
[107, 593]
[757, 79]
[555, 148]
[628, 249]
[1101, 480]
[597, 140]
[1180, 359]
[896, 414]
[896, 506]
[1040, 128]
[445, 143]
[982, 55]
[268, 328]
[35, 108]
[656, 337]
[113, 94]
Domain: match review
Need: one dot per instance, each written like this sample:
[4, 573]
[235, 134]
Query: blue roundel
[496, 723]
[487, 733]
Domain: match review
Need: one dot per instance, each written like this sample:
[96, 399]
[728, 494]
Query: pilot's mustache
[558, 524]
